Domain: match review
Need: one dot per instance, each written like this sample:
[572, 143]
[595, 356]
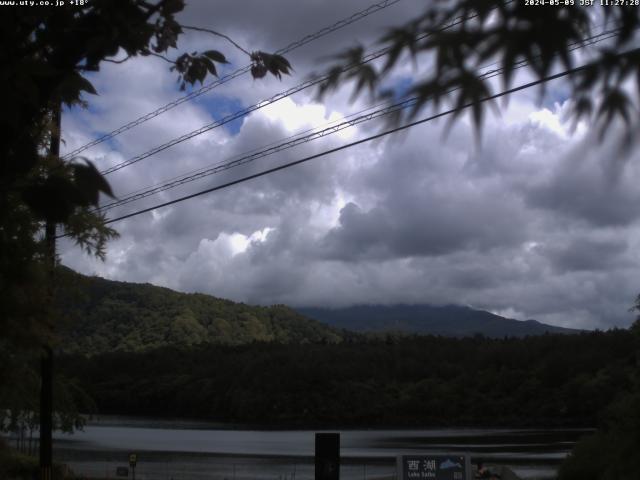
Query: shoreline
[194, 423]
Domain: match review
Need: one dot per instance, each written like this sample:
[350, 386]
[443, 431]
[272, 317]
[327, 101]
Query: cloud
[590, 184]
[585, 254]
[426, 208]
[533, 222]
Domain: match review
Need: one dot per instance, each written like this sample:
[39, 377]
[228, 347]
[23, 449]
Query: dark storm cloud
[591, 184]
[426, 204]
[426, 224]
[584, 254]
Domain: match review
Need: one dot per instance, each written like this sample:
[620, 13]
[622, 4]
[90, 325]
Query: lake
[197, 450]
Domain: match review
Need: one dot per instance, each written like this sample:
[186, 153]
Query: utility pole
[46, 362]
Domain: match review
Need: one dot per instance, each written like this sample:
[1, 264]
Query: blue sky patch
[400, 87]
[555, 95]
[219, 107]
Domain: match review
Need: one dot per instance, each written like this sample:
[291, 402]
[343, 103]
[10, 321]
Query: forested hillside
[421, 381]
[102, 316]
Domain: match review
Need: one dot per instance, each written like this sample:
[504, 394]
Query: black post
[46, 413]
[46, 363]
[327, 456]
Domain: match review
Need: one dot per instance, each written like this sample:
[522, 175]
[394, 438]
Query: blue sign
[434, 467]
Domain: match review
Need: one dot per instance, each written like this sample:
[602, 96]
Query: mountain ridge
[445, 320]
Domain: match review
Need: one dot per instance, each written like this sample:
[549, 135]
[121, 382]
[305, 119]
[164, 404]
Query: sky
[534, 220]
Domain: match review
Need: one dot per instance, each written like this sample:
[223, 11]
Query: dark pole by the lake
[46, 363]
[327, 458]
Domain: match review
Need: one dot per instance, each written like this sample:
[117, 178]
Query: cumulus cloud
[533, 223]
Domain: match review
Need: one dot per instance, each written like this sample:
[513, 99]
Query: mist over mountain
[446, 320]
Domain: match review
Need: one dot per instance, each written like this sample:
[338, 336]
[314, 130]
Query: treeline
[549, 380]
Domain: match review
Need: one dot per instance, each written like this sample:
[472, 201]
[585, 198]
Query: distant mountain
[101, 315]
[448, 320]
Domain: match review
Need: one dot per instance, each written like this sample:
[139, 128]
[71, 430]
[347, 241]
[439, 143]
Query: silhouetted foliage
[19, 397]
[612, 453]
[15, 465]
[455, 39]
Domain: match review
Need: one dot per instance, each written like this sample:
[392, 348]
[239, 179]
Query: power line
[261, 154]
[352, 144]
[236, 115]
[304, 137]
[290, 142]
[257, 106]
[222, 162]
[241, 71]
[279, 96]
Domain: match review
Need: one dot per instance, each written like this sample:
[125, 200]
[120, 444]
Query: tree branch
[117, 61]
[166, 59]
[213, 32]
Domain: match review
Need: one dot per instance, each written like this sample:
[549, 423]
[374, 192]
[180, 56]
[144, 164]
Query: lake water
[196, 450]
